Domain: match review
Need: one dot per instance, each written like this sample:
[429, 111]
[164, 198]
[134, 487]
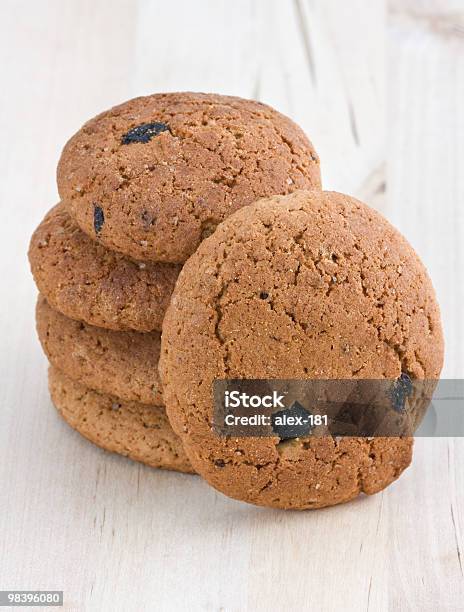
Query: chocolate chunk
[219, 463]
[145, 132]
[263, 295]
[98, 218]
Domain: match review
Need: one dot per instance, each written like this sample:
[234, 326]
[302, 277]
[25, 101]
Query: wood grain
[115, 535]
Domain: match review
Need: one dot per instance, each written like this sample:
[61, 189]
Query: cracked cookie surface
[154, 176]
[137, 431]
[123, 364]
[87, 282]
[311, 285]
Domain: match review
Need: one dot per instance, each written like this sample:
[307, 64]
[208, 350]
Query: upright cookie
[137, 431]
[124, 364]
[85, 281]
[154, 176]
[311, 285]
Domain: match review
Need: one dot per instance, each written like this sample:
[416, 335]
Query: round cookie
[154, 176]
[123, 364]
[137, 431]
[311, 285]
[87, 282]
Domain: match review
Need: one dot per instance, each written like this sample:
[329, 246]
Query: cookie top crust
[123, 364]
[311, 285]
[151, 178]
[87, 282]
[137, 431]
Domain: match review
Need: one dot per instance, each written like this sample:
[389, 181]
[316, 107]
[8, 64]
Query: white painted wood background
[380, 91]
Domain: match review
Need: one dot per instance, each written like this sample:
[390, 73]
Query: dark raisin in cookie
[87, 282]
[154, 176]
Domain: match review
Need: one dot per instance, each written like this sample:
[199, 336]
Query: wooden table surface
[380, 91]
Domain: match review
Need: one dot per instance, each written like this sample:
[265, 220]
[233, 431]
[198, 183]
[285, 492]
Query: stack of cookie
[141, 186]
[281, 281]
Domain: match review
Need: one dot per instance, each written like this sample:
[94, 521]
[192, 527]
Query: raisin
[145, 132]
[219, 463]
[263, 295]
[288, 430]
[98, 218]
[400, 391]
